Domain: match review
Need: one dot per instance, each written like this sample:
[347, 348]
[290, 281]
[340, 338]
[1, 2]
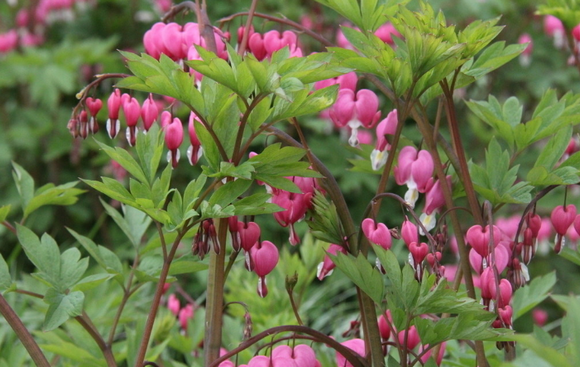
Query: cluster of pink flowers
[148, 112]
[30, 24]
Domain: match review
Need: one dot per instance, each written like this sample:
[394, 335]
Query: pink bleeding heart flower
[526, 55]
[387, 126]
[300, 356]
[505, 293]
[326, 267]
[409, 232]
[259, 361]
[355, 110]
[265, 258]
[501, 255]
[356, 345]
[414, 169]
[173, 139]
[166, 119]
[185, 315]
[153, 41]
[256, 46]
[412, 338]
[8, 41]
[132, 110]
[554, 27]
[94, 105]
[540, 317]
[418, 252]
[114, 105]
[173, 304]
[386, 32]
[478, 237]
[562, 218]
[487, 285]
[171, 36]
[434, 200]
[149, 112]
[505, 315]
[345, 81]
[384, 328]
[195, 150]
[274, 41]
[249, 234]
[377, 233]
[296, 206]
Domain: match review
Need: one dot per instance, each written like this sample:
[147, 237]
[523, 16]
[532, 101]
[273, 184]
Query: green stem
[215, 297]
[156, 301]
[23, 334]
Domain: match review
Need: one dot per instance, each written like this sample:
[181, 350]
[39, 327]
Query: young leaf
[53, 195]
[4, 211]
[134, 223]
[126, 161]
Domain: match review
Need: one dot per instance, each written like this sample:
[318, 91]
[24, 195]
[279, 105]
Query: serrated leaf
[43, 253]
[126, 161]
[91, 281]
[227, 193]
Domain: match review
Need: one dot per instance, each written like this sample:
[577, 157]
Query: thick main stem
[23, 334]
[215, 297]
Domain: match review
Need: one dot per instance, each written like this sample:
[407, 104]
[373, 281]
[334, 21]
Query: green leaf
[91, 282]
[493, 57]
[133, 223]
[555, 148]
[149, 148]
[72, 268]
[227, 193]
[186, 265]
[4, 211]
[53, 195]
[5, 278]
[256, 204]
[362, 274]
[126, 161]
[24, 184]
[107, 259]
[61, 307]
[43, 253]
[526, 298]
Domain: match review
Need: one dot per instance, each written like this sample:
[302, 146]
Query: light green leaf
[4, 211]
[24, 184]
[43, 253]
[362, 274]
[526, 298]
[61, 307]
[5, 278]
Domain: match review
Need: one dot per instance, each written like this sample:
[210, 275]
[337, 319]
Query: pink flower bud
[412, 338]
[554, 28]
[149, 112]
[419, 252]
[409, 232]
[195, 150]
[540, 316]
[249, 234]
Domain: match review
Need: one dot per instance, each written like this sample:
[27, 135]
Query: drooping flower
[265, 258]
[387, 126]
[355, 111]
[414, 169]
[173, 139]
[114, 105]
